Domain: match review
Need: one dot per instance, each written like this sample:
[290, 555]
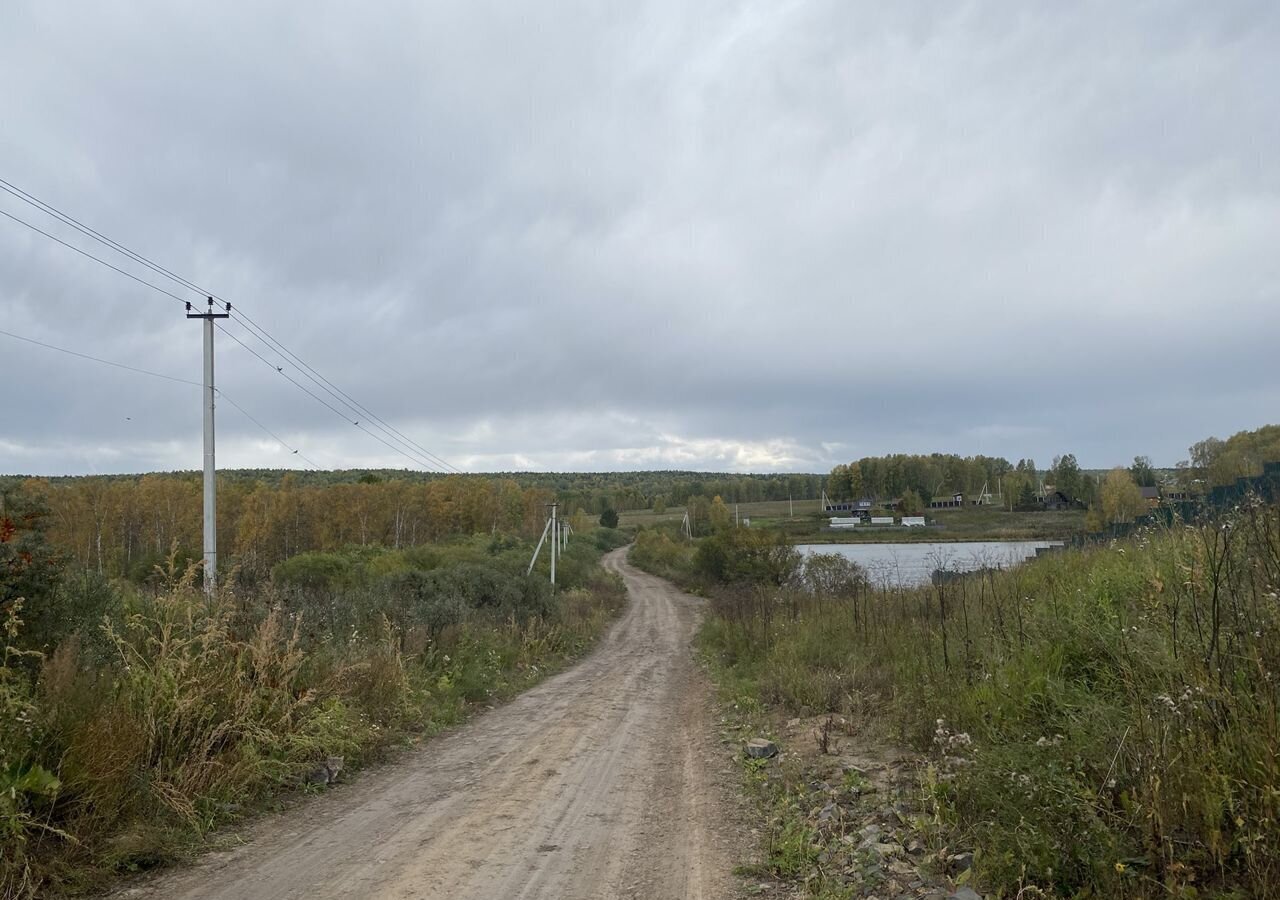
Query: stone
[760, 748]
[965, 893]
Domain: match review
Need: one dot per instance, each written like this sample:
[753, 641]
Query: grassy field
[809, 524]
[1097, 723]
[770, 510]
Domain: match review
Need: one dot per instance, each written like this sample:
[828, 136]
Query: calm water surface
[894, 565]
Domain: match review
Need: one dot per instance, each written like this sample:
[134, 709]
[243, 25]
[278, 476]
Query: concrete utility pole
[210, 476]
[538, 549]
[555, 546]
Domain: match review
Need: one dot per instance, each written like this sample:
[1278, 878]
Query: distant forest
[593, 491]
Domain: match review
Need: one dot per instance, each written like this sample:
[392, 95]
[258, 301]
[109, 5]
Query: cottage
[954, 501]
[1055, 500]
[855, 507]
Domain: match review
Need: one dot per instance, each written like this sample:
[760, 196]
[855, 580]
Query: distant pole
[735, 515]
[555, 545]
[792, 503]
[210, 473]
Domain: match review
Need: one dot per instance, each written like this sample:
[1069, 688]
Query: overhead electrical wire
[221, 393]
[356, 422]
[99, 260]
[335, 391]
[427, 458]
[105, 362]
[429, 461]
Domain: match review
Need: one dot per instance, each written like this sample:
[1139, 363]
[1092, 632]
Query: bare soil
[605, 781]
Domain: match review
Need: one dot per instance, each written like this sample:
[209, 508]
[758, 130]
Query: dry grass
[209, 707]
[1101, 723]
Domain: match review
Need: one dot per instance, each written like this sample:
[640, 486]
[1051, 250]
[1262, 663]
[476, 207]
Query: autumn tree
[1121, 497]
[911, 504]
[838, 486]
[719, 514]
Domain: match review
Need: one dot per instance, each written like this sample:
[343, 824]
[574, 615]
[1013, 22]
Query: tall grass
[1100, 722]
[198, 710]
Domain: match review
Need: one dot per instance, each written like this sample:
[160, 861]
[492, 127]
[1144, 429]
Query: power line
[148, 372]
[87, 254]
[32, 200]
[339, 395]
[105, 362]
[250, 325]
[356, 422]
[244, 412]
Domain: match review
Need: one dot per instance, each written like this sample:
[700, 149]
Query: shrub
[744, 555]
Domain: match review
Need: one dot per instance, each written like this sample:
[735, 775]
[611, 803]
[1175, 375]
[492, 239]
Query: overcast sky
[764, 236]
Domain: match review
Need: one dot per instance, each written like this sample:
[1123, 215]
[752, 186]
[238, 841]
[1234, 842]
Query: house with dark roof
[1055, 499]
[860, 507]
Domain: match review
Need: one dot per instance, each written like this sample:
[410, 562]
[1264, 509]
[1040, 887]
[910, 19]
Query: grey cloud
[727, 235]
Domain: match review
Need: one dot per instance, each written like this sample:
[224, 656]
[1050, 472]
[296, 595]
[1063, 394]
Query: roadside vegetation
[137, 717]
[1096, 723]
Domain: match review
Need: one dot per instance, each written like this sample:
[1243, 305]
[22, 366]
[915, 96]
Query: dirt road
[601, 782]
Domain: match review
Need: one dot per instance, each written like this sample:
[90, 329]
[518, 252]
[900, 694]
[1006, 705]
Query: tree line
[594, 492]
[912, 480]
[122, 526]
[925, 475]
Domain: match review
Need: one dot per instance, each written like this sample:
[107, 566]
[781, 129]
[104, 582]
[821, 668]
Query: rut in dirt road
[598, 783]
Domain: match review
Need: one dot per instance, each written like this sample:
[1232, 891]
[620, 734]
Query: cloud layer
[748, 236]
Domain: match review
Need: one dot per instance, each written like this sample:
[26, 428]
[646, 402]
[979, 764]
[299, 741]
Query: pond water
[911, 564]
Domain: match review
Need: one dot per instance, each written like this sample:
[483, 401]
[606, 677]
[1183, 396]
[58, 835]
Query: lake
[911, 564]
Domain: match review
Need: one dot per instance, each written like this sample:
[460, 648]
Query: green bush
[607, 539]
[746, 556]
